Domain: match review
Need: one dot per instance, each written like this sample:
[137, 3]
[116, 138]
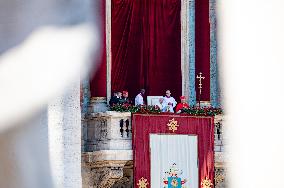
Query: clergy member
[115, 99]
[139, 99]
[125, 98]
[182, 105]
[169, 102]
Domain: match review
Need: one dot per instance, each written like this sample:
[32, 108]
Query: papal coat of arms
[173, 178]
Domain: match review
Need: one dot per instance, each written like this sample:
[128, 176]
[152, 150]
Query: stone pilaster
[214, 85]
[185, 47]
[191, 43]
[108, 47]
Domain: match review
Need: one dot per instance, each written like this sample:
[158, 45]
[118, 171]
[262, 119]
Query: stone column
[188, 50]
[64, 138]
[185, 47]
[191, 43]
[108, 47]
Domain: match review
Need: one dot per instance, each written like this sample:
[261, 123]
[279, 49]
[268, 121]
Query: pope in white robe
[169, 102]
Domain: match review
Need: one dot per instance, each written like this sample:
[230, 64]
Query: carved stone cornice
[99, 158]
[107, 173]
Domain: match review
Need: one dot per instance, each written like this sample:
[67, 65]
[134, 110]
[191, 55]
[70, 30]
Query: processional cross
[200, 78]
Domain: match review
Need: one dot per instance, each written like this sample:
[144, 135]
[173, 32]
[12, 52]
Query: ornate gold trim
[173, 125]
[206, 183]
[142, 183]
[219, 178]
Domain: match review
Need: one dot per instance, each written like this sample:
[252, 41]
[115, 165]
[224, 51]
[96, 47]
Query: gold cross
[200, 77]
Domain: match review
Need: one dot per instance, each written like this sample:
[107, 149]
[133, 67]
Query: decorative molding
[108, 47]
[98, 98]
[106, 173]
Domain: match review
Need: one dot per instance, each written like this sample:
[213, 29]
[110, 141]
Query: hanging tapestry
[173, 151]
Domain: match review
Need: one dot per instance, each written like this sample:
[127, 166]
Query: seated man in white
[169, 102]
[160, 104]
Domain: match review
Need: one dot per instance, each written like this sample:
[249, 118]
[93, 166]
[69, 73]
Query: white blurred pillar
[64, 133]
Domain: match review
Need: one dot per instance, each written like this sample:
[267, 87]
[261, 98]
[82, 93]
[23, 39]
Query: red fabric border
[143, 125]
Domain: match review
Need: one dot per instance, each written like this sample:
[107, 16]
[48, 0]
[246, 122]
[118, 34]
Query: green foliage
[203, 111]
[194, 111]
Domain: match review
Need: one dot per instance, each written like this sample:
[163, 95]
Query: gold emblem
[219, 178]
[206, 183]
[172, 125]
[142, 183]
[174, 183]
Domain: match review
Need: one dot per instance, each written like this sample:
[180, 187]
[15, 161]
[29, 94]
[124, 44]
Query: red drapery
[146, 46]
[202, 47]
[143, 125]
[98, 78]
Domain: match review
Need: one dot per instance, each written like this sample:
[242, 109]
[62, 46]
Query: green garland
[194, 111]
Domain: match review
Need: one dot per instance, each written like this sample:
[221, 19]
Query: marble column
[191, 38]
[185, 47]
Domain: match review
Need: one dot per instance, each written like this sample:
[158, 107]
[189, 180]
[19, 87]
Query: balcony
[107, 150]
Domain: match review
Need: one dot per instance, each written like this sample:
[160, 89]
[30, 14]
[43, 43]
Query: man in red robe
[182, 105]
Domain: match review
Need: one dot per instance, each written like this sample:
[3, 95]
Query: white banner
[174, 161]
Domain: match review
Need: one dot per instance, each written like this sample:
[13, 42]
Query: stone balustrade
[107, 157]
[108, 131]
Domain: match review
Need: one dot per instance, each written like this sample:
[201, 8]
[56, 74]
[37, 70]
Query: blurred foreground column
[64, 133]
[45, 151]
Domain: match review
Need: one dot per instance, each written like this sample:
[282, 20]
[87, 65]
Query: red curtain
[202, 47]
[144, 124]
[98, 78]
[146, 46]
